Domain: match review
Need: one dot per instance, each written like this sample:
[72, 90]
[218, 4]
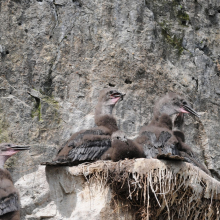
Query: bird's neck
[106, 109]
[2, 161]
[107, 121]
[163, 121]
[103, 109]
[104, 117]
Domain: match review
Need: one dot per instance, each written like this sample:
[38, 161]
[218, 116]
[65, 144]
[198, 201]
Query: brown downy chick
[89, 145]
[9, 197]
[123, 148]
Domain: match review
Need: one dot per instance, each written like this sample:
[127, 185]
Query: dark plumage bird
[157, 138]
[9, 198]
[89, 145]
[185, 151]
[163, 138]
[175, 106]
[122, 148]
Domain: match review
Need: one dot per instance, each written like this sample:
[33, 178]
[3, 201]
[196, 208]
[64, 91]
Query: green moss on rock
[176, 2]
[37, 111]
[4, 125]
[51, 101]
[46, 108]
[183, 17]
[173, 40]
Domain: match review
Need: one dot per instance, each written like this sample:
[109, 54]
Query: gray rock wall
[57, 55]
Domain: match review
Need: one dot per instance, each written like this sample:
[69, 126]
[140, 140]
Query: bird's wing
[85, 135]
[163, 138]
[91, 148]
[84, 146]
[9, 204]
[170, 156]
[150, 146]
[195, 161]
[169, 149]
[162, 147]
[151, 137]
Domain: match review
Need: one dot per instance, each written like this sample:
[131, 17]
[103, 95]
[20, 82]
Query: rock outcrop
[129, 189]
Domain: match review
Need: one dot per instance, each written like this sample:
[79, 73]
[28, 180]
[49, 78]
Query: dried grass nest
[158, 189]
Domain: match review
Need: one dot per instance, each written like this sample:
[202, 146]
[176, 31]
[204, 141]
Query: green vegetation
[3, 129]
[183, 17]
[51, 101]
[49, 104]
[175, 2]
[173, 40]
[37, 110]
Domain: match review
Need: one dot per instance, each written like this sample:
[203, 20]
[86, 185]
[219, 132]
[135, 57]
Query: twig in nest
[152, 189]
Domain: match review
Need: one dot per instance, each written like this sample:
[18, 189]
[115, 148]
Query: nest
[157, 189]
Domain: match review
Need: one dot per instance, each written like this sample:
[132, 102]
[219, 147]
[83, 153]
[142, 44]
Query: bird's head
[119, 135]
[7, 149]
[110, 96]
[107, 100]
[175, 106]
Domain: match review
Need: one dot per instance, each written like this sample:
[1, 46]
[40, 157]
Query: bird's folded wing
[90, 149]
[162, 147]
[170, 156]
[194, 161]
[164, 137]
[77, 139]
[84, 146]
[9, 204]
[151, 138]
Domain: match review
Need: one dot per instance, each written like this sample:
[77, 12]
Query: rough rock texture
[56, 55]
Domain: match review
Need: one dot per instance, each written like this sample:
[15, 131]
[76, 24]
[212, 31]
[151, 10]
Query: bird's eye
[184, 103]
[117, 137]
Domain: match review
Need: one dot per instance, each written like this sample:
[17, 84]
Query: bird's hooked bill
[122, 96]
[118, 95]
[190, 110]
[20, 147]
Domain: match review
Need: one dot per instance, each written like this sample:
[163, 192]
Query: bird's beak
[122, 96]
[190, 110]
[118, 95]
[20, 147]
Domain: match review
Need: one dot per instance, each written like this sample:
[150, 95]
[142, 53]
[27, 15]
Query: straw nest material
[157, 189]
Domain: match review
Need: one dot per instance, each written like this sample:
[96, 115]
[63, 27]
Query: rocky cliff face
[56, 55]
